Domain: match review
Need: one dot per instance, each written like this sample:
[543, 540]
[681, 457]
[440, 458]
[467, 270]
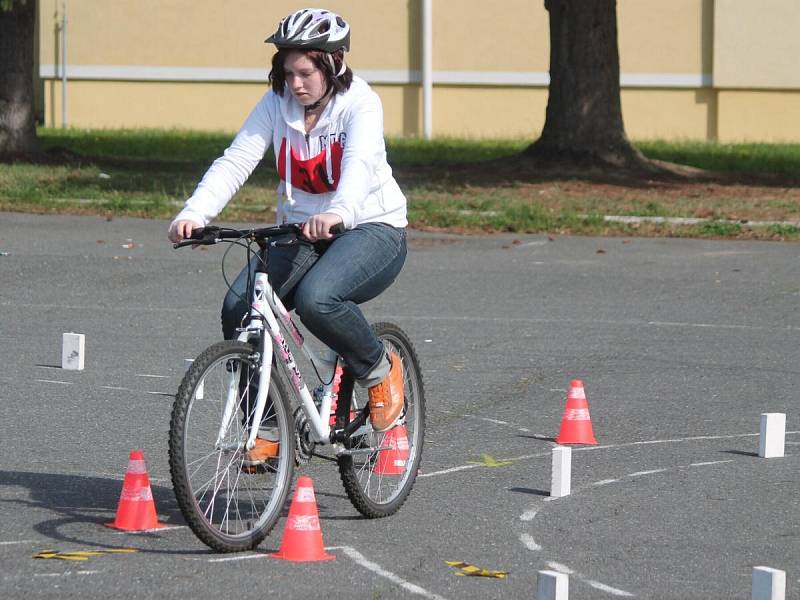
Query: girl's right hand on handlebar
[181, 230]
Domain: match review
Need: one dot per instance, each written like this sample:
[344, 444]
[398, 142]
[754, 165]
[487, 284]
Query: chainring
[304, 447]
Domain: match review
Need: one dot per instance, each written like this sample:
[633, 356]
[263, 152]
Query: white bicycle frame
[264, 306]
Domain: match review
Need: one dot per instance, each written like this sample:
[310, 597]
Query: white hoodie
[339, 167]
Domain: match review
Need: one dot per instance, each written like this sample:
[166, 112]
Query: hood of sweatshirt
[294, 113]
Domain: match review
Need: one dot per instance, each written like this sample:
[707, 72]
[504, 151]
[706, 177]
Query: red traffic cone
[393, 453]
[136, 510]
[302, 537]
[576, 424]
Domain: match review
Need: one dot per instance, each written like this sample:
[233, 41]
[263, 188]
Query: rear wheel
[229, 506]
[378, 470]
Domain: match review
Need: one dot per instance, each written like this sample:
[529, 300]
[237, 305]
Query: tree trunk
[17, 120]
[583, 126]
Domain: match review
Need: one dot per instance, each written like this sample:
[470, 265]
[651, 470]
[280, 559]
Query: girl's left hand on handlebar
[181, 230]
[319, 226]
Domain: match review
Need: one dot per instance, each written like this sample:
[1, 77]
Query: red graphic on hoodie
[310, 175]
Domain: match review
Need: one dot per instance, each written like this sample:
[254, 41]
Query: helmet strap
[316, 104]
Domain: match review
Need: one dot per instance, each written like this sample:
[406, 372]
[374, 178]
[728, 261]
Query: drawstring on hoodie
[329, 157]
[289, 200]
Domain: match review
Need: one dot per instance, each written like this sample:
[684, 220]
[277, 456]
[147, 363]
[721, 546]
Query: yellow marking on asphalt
[467, 570]
[82, 555]
[489, 461]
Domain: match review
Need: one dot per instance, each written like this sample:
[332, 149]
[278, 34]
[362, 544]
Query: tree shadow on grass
[142, 174]
[518, 169]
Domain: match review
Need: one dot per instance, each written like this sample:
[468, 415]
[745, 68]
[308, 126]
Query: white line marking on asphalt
[560, 568]
[52, 381]
[451, 470]
[528, 515]
[701, 325]
[640, 473]
[240, 557]
[111, 387]
[607, 588]
[595, 584]
[65, 573]
[18, 542]
[604, 482]
[160, 394]
[534, 243]
[579, 322]
[710, 462]
[378, 570]
[152, 376]
[592, 448]
[144, 309]
[529, 542]
[497, 422]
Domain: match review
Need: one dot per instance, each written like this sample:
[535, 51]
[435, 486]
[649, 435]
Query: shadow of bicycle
[81, 500]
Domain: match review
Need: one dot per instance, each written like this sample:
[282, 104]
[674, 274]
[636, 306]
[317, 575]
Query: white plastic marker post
[773, 434]
[768, 584]
[199, 393]
[72, 350]
[561, 473]
[552, 585]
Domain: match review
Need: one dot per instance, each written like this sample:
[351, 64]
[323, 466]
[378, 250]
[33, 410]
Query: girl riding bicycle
[326, 127]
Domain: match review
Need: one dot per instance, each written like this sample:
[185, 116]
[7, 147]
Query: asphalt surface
[681, 345]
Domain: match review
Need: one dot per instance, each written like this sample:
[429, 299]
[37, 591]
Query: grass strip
[150, 173]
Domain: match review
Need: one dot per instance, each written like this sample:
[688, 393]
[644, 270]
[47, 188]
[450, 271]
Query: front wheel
[229, 505]
[378, 470]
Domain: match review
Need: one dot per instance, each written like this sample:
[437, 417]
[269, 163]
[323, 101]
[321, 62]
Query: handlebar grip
[202, 236]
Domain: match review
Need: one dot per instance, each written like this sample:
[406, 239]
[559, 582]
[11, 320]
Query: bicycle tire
[234, 508]
[375, 490]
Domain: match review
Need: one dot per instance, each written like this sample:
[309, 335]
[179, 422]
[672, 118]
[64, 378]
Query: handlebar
[209, 235]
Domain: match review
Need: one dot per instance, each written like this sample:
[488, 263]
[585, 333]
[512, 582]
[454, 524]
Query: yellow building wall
[762, 115]
[669, 114]
[194, 33]
[675, 36]
[474, 35]
[757, 44]
[691, 69]
[499, 112]
[206, 106]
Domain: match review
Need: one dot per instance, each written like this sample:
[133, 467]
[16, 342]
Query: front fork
[263, 359]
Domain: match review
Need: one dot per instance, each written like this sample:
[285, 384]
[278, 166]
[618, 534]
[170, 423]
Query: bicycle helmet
[312, 29]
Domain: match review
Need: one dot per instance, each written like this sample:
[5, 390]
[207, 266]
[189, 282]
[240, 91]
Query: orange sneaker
[262, 451]
[386, 399]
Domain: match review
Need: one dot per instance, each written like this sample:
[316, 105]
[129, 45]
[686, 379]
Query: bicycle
[228, 394]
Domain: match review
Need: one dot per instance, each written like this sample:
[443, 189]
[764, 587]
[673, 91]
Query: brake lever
[284, 244]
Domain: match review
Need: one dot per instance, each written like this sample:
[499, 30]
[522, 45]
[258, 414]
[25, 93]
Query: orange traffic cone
[393, 452]
[302, 537]
[576, 424]
[136, 510]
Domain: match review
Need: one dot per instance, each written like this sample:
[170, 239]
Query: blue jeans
[324, 283]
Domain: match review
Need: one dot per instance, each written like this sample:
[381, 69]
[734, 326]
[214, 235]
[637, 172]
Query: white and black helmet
[312, 29]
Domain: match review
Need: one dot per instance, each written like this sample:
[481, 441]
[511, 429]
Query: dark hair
[277, 77]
